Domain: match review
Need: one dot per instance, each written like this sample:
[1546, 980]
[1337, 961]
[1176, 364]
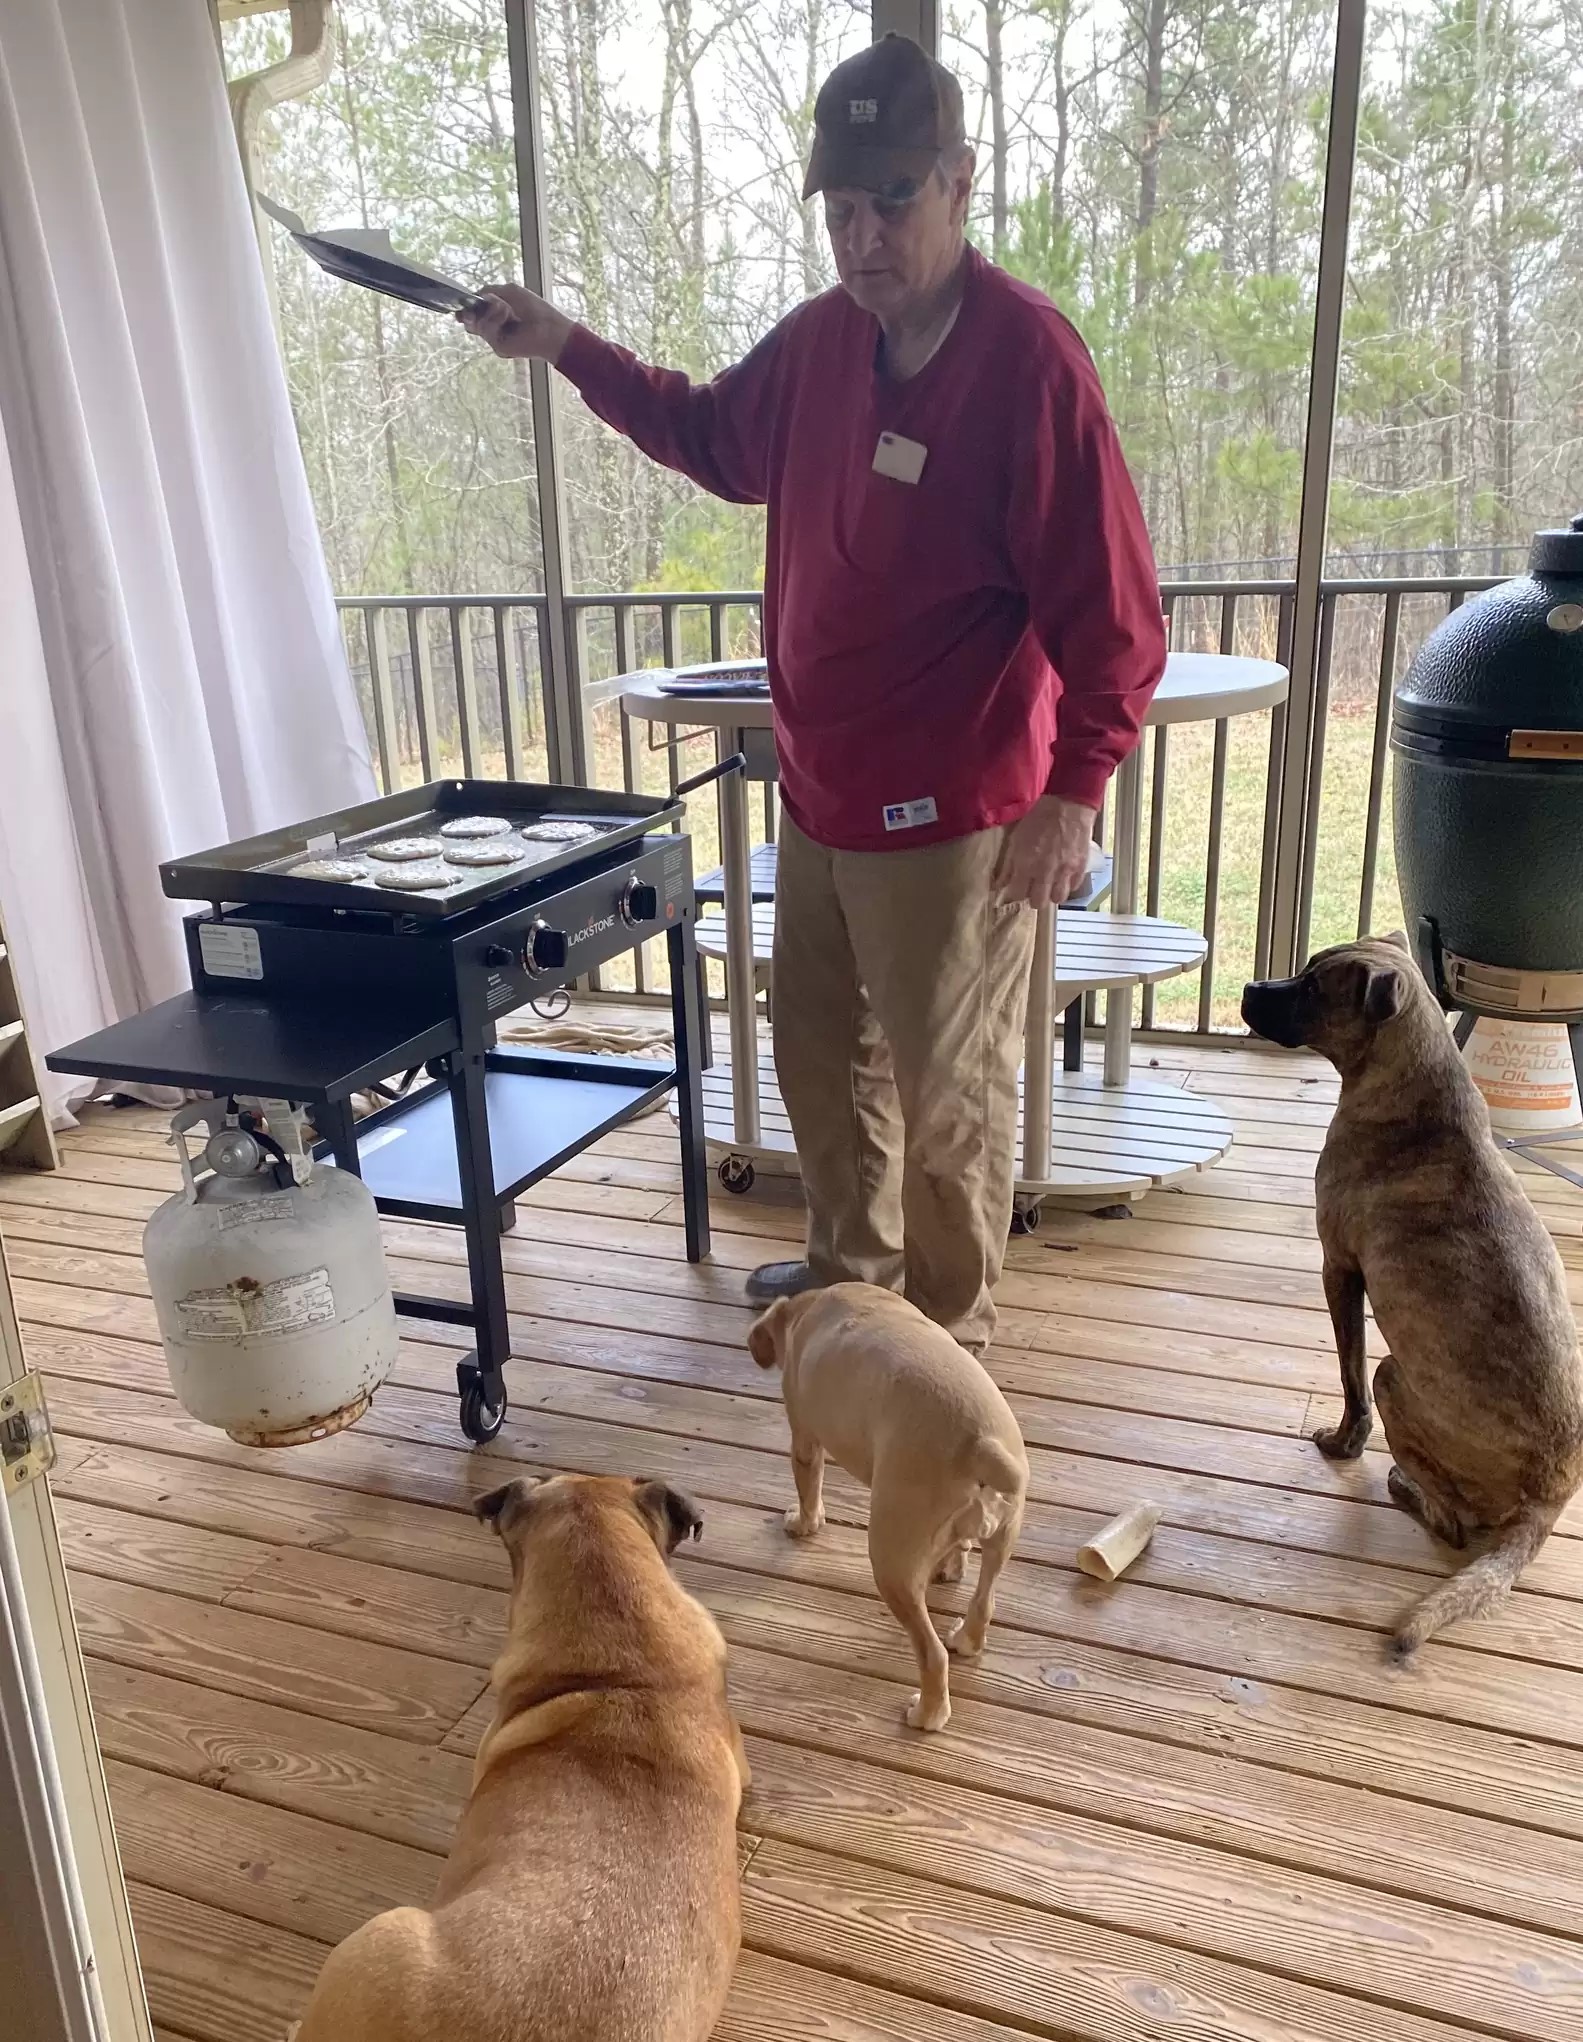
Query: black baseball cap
[883, 117]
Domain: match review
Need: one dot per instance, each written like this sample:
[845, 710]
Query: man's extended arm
[716, 433]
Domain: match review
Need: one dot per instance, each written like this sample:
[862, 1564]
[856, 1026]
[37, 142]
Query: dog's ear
[766, 1333]
[504, 1507]
[669, 1514]
[1397, 938]
[1384, 994]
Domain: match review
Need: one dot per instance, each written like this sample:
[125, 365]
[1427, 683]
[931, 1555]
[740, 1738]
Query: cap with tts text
[883, 117]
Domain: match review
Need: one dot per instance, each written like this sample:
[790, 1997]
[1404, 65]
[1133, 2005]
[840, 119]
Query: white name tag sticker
[910, 815]
[902, 460]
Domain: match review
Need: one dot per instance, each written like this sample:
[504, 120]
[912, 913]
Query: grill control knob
[639, 902]
[545, 950]
[497, 957]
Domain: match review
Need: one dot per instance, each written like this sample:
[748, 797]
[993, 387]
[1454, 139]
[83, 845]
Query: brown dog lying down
[1482, 1391]
[591, 1894]
[890, 1397]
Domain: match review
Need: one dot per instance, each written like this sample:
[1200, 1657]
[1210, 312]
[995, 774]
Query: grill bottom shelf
[543, 1108]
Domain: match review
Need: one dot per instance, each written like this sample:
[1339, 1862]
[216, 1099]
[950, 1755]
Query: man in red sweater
[962, 623]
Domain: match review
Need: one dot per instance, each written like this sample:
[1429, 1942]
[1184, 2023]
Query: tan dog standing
[892, 1398]
[1482, 1391]
[591, 1894]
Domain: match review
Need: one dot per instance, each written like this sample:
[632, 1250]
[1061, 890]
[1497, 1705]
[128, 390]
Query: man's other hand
[518, 323]
[1045, 856]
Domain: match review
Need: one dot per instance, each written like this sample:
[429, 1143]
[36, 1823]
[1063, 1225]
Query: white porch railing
[456, 684]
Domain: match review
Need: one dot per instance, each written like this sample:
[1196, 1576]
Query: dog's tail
[997, 1468]
[1481, 1584]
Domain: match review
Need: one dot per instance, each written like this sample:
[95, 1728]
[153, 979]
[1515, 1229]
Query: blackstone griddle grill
[312, 991]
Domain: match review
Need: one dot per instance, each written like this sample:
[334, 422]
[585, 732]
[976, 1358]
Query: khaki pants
[901, 987]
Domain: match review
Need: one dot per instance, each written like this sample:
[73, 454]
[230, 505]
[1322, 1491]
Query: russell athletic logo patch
[910, 815]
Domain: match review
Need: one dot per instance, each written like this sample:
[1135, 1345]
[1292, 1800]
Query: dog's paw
[800, 1527]
[919, 1718]
[953, 1566]
[1343, 1442]
[1439, 1524]
[964, 1643]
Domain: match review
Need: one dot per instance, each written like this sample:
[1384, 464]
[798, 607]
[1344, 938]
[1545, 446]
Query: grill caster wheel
[737, 1175]
[480, 1419]
[1025, 1219]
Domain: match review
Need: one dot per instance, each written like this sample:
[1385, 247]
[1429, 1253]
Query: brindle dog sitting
[1482, 1390]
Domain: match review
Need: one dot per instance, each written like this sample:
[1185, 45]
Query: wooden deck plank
[1311, 1652]
[379, 1687]
[1432, 1959]
[390, 1788]
[282, 1870]
[1340, 1737]
[1236, 1571]
[1211, 1390]
[420, 1538]
[1378, 1540]
[214, 1977]
[1200, 1803]
[1372, 1839]
[1178, 1443]
[312, 1879]
[774, 2001]
[225, 1979]
[1223, 1382]
[361, 1780]
[403, 1421]
[391, 1531]
[710, 1304]
[312, 1592]
[1057, 1977]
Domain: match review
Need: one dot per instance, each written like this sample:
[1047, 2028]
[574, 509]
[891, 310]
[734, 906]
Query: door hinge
[27, 1444]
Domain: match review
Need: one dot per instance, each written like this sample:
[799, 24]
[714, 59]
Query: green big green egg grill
[1487, 740]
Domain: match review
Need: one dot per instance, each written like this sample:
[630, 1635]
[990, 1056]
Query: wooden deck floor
[1198, 1805]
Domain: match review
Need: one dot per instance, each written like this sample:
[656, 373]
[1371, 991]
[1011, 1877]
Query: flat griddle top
[260, 870]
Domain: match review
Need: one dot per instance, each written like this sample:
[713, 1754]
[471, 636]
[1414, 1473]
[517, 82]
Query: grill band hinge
[1545, 744]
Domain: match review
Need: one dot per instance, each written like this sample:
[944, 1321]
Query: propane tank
[269, 1281]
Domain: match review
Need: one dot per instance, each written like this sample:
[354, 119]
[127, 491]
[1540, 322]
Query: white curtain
[171, 672]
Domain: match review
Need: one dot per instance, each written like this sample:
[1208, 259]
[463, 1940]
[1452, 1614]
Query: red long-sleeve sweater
[941, 652]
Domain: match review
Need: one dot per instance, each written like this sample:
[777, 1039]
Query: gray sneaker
[772, 1280]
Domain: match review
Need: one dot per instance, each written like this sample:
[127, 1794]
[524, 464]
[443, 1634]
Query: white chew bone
[1113, 1548]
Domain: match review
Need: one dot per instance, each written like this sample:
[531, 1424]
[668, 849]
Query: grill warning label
[229, 951]
[289, 1304]
[281, 1206]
